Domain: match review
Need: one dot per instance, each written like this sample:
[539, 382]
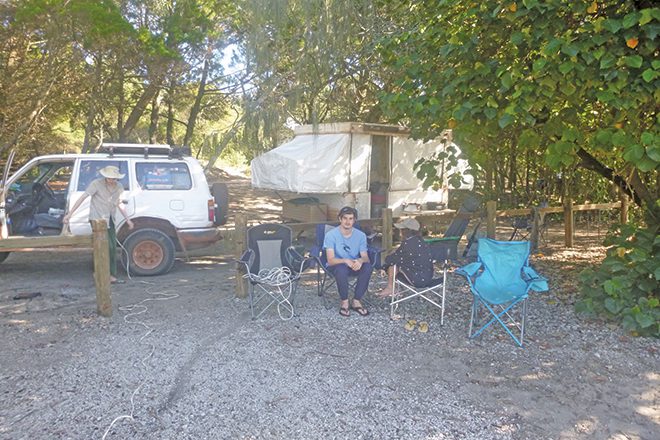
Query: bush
[625, 286]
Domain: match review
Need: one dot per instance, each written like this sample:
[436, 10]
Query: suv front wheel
[150, 252]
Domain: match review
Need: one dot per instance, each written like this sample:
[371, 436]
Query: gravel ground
[180, 359]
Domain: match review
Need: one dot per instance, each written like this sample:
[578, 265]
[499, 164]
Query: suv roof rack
[161, 149]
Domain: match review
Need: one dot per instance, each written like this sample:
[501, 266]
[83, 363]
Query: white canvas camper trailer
[366, 166]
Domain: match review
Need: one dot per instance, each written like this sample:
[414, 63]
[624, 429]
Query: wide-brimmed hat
[408, 223]
[111, 172]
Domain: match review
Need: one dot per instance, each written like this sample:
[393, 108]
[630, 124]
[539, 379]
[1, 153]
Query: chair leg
[444, 290]
[497, 317]
[393, 306]
[472, 313]
[251, 300]
[522, 323]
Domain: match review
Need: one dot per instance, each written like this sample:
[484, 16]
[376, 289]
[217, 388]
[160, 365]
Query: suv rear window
[163, 175]
[89, 171]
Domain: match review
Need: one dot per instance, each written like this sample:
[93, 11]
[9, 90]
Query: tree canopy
[576, 82]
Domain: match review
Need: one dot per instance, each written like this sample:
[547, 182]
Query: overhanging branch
[591, 163]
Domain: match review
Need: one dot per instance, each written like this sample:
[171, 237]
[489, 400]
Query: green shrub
[625, 286]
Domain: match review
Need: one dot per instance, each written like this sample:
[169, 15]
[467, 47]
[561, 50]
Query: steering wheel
[48, 191]
[39, 191]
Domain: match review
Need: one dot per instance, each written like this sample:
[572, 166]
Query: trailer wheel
[150, 252]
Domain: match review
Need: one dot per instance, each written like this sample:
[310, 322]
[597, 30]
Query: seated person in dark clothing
[412, 258]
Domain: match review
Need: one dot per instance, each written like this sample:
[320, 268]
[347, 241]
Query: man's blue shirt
[346, 247]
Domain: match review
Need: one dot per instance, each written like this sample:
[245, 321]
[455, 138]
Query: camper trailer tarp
[324, 163]
[337, 163]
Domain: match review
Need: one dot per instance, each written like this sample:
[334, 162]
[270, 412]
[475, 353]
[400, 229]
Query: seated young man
[346, 250]
[412, 258]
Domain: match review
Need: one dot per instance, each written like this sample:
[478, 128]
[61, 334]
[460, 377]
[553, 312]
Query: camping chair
[433, 291]
[273, 268]
[523, 227]
[500, 280]
[324, 277]
[459, 224]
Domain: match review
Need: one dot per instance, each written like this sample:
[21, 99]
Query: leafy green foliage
[625, 287]
[535, 88]
[446, 160]
[554, 79]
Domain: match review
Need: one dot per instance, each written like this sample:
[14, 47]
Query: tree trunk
[194, 111]
[91, 112]
[139, 109]
[153, 120]
[591, 163]
[169, 131]
[217, 149]
[122, 100]
[25, 127]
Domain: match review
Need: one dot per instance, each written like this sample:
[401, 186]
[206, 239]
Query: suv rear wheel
[150, 252]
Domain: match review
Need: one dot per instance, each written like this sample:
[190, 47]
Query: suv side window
[89, 171]
[163, 175]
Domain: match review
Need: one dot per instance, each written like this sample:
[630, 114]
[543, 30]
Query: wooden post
[624, 207]
[536, 223]
[569, 224]
[101, 267]
[491, 219]
[387, 233]
[240, 237]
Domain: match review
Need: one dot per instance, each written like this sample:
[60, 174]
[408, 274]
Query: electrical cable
[128, 261]
[279, 279]
[133, 310]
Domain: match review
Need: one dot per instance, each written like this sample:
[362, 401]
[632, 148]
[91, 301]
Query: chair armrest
[440, 239]
[245, 261]
[315, 251]
[469, 270]
[374, 256]
[445, 248]
[297, 263]
[535, 281]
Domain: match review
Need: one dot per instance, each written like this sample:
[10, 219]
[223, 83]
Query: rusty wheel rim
[148, 254]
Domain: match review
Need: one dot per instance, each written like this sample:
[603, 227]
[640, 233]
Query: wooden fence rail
[98, 241]
[538, 214]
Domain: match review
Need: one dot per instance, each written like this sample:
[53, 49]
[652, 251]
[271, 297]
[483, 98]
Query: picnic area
[181, 358]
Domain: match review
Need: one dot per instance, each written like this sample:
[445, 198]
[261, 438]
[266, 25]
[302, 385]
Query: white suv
[166, 196]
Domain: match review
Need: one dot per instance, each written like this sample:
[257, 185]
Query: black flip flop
[343, 311]
[360, 310]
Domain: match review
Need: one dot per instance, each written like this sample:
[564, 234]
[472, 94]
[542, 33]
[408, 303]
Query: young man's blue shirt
[346, 247]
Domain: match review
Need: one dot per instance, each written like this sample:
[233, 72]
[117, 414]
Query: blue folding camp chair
[273, 268]
[324, 277]
[500, 280]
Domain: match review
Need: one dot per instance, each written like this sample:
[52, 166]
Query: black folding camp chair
[458, 226]
[273, 268]
[434, 290]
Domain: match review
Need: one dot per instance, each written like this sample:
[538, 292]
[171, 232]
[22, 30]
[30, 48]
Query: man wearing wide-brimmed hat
[105, 194]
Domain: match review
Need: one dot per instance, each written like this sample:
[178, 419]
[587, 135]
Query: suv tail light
[211, 208]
